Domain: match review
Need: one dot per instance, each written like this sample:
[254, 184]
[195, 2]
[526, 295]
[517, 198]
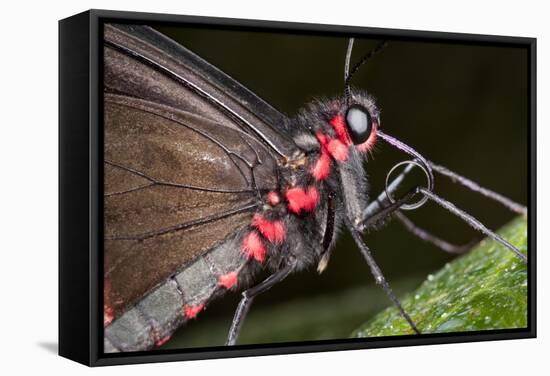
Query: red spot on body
[273, 198]
[190, 312]
[274, 231]
[108, 311]
[313, 198]
[253, 247]
[333, 146]
[228, 280]
[300, 199]
[296, 198]
[108, 315]
[162, 341]
[338, 123]
[338, 150]
[321, 168]
[323, 139]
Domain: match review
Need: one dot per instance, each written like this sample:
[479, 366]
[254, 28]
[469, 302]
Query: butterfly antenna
[348, 74]
[346, 70]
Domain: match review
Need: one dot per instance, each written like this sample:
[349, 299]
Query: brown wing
[144, 63]
[176, 185]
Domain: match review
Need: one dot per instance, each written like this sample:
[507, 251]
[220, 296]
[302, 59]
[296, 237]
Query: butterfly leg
[373, 217]
[375, 210]
[430, 238]
[248, 297]
[473, 222]
[357, 222]
[378, 276]
[376, 213]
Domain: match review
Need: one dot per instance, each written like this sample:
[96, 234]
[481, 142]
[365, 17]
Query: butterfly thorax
[310, 199]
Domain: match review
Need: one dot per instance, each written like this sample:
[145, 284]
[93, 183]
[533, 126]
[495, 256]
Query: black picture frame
[80, 192]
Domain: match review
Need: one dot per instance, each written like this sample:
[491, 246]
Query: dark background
[464, 106]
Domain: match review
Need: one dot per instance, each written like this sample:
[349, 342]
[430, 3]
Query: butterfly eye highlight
[359, 123]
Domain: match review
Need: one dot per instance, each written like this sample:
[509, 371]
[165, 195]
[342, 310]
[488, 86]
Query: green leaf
[482, 290]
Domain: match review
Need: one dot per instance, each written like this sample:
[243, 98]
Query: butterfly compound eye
[359, 123]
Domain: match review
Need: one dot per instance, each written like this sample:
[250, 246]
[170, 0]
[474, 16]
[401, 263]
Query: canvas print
[269, 186]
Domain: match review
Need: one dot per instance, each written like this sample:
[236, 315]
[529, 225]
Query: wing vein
[185, 225]
[165, 183]
[205, 135]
